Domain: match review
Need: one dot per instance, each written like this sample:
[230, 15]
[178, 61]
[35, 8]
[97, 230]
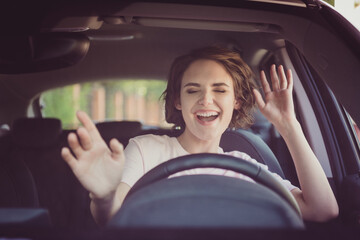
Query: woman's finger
[116, 148]
[264, 82]
[290, 79]
[75, 145]
[68, 157]
[89, 125]
[259, 99]
[274, 78]
[85, 139]
[283, 79]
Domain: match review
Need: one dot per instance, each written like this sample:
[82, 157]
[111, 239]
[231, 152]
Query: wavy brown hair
[240, 72]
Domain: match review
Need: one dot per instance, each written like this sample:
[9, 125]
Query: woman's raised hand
[97, 167]
[278, 106]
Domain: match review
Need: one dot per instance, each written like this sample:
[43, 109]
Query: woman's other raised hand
[278, 106]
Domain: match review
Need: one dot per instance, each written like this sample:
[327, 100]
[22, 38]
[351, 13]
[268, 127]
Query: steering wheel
[207, 201]
[209, 160]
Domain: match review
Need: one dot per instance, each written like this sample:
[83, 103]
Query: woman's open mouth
[207, 116]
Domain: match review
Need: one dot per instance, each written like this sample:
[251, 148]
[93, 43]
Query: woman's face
[207, 100]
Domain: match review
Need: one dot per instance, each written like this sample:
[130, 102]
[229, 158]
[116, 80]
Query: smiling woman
[241, 80]
[206, 90]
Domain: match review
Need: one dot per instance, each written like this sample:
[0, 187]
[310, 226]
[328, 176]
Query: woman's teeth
[207, 116]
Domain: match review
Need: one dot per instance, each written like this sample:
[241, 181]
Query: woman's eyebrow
[192, 85]
[220, 84]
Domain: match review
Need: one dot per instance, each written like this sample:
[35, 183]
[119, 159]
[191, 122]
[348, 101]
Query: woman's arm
[316, 199]
[104, 209]
[98, 168]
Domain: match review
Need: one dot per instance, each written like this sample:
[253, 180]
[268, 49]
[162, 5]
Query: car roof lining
[120, 13]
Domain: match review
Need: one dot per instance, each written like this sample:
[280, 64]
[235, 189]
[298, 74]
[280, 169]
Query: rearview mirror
[41, 52]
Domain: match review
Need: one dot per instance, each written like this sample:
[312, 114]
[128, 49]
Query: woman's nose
[206, 99]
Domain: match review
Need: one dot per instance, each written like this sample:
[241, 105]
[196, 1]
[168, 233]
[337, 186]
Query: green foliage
[150, 88]
[85, 96]
[59, 103]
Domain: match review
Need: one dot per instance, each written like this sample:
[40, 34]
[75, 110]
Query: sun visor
[41, 52]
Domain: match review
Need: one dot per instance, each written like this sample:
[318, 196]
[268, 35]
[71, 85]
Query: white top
[147, 151]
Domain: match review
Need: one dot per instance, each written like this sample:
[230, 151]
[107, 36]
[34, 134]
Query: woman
[208, 90]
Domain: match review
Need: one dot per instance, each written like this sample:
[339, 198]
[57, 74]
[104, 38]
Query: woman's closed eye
[190, 91]
[220, 90]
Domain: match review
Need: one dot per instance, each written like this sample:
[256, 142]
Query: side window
[132, 100]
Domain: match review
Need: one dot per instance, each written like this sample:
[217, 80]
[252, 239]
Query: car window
[131, 100]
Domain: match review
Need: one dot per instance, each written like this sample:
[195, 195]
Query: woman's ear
[237, 104]
[177, 104]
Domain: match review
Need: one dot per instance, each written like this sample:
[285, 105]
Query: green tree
[59, 103]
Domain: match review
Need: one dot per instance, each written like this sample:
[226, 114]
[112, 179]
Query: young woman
[208, 90]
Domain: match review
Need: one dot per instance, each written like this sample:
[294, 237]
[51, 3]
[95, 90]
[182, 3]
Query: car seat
[16, 181]
[19, 202]
[121, 130]
[251, 144]
[38, 142]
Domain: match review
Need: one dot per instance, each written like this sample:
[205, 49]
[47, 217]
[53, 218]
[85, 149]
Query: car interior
[100, 42]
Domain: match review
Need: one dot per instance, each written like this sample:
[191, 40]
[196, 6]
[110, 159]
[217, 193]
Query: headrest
[36, 132]
[119, 129]
[251, 144]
